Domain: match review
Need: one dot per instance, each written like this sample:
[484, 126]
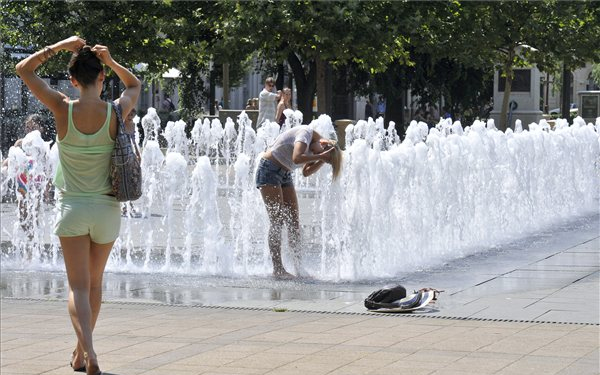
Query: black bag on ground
[384, 298]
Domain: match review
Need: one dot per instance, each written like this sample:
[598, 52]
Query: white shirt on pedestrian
[267, 106]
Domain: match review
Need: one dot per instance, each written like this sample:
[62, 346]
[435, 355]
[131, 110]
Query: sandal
[436, 292]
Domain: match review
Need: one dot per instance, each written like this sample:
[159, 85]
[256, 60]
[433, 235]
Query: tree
[521, 33]
[498, 33]
[161, 34]
[596, 74]
[439, 64]
[569, 38]
[306, 34]
[132, 30]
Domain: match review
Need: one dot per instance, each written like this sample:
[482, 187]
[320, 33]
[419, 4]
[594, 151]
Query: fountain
[437, 195]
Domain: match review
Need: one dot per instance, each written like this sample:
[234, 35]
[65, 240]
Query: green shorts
[97, 216]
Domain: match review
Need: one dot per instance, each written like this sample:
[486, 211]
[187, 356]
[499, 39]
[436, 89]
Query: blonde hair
[336, 159]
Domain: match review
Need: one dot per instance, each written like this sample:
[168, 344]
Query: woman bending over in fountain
[89, 216]
[303, 147]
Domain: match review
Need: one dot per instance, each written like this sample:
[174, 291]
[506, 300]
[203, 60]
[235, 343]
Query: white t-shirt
[283, 148]
[267, 106]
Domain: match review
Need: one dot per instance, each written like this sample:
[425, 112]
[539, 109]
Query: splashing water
[151, 125]
[437, 195]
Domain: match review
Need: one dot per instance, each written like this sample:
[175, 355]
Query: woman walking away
[303, 147]
[89, 216]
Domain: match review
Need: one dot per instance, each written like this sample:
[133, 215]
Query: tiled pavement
[151, 339]
[496, 317]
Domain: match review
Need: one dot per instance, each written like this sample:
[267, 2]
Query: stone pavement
[138, 338]
[530, 307]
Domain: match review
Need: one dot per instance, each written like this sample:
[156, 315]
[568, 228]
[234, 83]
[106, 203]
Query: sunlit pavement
[529, 307]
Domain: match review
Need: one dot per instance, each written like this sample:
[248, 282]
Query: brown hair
[34, 122]
[85, 66]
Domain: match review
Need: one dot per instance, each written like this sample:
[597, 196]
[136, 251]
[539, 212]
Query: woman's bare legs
[85, 262]
[273, 198]
[291, 218]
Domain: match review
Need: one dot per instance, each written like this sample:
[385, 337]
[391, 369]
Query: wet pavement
[550, 277]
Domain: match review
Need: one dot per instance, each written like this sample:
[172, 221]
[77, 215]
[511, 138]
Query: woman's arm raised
[132, 85]
[312, 167]
[51, 98]
[280, 107]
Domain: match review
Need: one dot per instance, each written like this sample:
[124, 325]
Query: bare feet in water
[282, 274]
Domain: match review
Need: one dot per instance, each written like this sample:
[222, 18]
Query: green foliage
[442, 48]
[300, 32]
[192, 91]
[596, 74]
[569, 34]
[161, 34]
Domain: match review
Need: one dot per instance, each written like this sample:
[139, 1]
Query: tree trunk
[280, 80]
[323, 87]
[505, 99]
[211, 92]
[394, 111]
[226, 86]
[305, 84]
[2, 98]
[508, 69]
[565, 105]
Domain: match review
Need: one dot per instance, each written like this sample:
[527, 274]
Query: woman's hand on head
[103, 54]
[73, 43]
[326, 155]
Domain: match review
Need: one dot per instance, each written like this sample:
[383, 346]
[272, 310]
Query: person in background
[368, 110]
[284, 103]
[24, 178]
[297, 147]
[446, 113]
[168, 105]
[32, 122]
[267, 102]
[381, 107]
[88, 215]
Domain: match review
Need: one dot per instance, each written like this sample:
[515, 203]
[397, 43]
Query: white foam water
[438, 195]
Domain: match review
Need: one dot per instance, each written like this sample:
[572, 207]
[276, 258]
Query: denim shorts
[269, 173]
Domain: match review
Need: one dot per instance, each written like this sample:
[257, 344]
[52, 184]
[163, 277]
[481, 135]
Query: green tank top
[84, 159]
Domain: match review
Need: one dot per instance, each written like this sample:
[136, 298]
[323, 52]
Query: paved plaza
[528, 307]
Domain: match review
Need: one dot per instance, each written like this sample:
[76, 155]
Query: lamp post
[226, 86]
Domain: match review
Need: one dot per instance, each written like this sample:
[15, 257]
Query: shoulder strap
[70, 124]
[121, 124]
